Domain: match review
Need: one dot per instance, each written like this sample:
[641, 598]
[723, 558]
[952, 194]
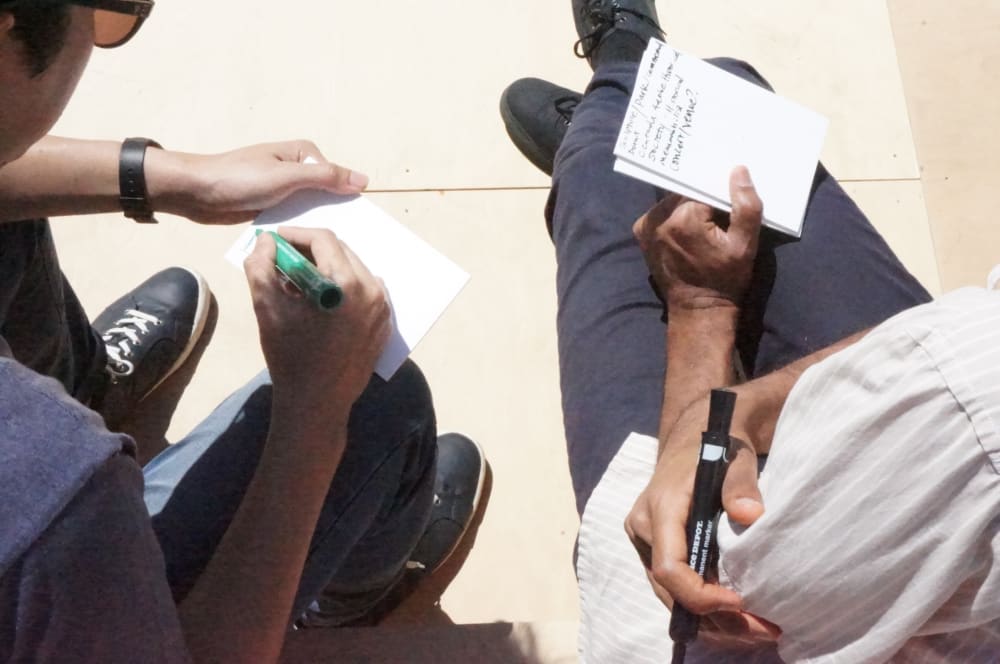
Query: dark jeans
[839, 278]
[379, 500]
[40, 316]
[377, 507]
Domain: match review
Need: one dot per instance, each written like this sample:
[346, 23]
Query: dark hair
[41, 28]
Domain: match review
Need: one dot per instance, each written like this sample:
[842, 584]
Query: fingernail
[742, 177]
[749, 510]
[357, 180]
[749, 504]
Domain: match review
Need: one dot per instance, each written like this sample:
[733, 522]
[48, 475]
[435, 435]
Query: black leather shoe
[458, 487]
[148, 333]
[596, 20]
[537, 114]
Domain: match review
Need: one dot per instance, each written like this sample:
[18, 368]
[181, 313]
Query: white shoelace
[126, 334]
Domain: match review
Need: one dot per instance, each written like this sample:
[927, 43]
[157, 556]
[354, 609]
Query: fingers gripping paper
[688, 124]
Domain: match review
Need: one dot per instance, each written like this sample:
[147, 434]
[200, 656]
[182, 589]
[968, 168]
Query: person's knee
[392, 447]
[396, 412]
[409, 391]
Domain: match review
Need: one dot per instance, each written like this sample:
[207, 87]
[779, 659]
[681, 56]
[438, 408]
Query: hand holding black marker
[706, 506]
[299, 270]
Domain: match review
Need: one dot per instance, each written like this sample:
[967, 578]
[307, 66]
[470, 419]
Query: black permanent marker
[706, 506]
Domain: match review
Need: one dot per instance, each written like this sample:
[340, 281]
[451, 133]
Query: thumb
[326, 176]
[748, 210]
[740, 495]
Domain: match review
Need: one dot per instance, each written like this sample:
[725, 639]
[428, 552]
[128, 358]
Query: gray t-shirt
[81, 574]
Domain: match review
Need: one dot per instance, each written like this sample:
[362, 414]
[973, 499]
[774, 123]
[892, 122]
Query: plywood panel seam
[853, 180]
[431, 190]
[907, 99]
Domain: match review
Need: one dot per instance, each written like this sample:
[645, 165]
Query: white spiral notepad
[689, 123]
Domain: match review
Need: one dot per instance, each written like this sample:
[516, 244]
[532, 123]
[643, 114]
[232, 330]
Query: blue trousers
[379, 500]
[838, 278]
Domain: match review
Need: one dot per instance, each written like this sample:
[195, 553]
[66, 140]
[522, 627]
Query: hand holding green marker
[323, 292]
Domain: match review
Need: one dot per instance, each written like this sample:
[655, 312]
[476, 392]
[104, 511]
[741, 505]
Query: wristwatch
[132, 180]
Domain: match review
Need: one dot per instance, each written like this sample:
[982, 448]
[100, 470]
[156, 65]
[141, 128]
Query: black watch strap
[132, 180]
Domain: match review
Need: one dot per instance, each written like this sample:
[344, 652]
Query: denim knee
[394, 412]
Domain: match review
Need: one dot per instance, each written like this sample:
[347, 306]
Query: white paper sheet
[421, 281]
[689, 124]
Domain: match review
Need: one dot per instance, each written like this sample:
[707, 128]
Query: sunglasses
[115, 21]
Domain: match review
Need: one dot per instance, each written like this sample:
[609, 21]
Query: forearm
[64, 176]
[700, 345]
[240, 608]
[60, 176]
[760, 401]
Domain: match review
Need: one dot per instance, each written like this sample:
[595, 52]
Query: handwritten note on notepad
[689, 124]
[421, 281]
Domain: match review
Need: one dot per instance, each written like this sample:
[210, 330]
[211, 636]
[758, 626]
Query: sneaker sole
[200, 319]
[480, 484]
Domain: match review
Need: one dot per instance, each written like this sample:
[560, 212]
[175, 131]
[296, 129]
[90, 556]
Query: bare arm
[760, 401]
[240, 608]
[63, 176]
[700, 345]
[703, 272]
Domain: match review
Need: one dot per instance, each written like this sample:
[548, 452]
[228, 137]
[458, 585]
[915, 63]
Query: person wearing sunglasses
[316, 494]
[115, 21]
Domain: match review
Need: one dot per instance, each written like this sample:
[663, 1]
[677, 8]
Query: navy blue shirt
[82, 577]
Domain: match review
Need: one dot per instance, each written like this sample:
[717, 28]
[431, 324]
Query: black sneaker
[148, 334]
[537, 115]
[596, 20]
[458, 488]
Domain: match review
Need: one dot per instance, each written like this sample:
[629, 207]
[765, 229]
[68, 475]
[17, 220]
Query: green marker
[323, 292]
